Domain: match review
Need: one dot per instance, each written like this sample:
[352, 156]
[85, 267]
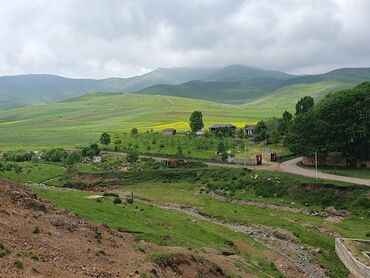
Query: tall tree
[105, 138]
[304, 105]
[261, 130]
[196, 121]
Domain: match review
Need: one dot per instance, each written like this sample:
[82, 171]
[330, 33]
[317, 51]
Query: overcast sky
[102, 38]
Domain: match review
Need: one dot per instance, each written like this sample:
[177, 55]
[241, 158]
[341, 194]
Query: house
[169, 131]
[173, 163]
[250, 130]
[216, 127]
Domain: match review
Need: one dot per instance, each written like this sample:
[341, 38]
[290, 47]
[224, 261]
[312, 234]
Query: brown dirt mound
[38, 240]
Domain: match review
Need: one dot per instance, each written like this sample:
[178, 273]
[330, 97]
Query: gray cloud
[94, 38]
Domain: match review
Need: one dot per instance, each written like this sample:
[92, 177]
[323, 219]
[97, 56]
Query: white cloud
[93, 38]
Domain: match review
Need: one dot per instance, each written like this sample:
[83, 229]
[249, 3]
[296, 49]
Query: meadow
[81, 120]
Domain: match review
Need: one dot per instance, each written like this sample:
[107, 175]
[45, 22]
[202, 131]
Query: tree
[105, 139]
[304, 105]
[338, 123]
[91, 151]
[134, 131]
[196, 121]
[73, 158]
[261, 130]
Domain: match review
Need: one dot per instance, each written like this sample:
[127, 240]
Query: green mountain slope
[83, 119]
[262, 88]
[32, 89]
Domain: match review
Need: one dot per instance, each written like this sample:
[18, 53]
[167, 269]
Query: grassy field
[82, 120]
[289, 95]
[182, 145]
[159, 226]
[33, 172]
[298, 224]
[348, 172]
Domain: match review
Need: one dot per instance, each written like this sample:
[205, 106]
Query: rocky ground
[38, 240]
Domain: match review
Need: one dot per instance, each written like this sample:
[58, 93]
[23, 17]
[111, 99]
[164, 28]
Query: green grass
[82, 120]
[289, 95]
[191, 146]
[348, 172]
[155, 225]
[33, 172]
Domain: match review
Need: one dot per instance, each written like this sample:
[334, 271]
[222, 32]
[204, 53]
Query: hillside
[22, 90]
[235, 84]
[39, 240]
[263, 88]
[81, 120]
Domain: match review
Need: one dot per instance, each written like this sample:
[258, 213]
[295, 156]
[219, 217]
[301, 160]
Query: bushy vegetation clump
[18, 156]
[55, 155]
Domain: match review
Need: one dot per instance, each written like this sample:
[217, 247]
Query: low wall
[357, 269]
[322, 161]
[242, 161]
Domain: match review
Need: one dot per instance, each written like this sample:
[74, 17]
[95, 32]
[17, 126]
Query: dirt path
[291, 166]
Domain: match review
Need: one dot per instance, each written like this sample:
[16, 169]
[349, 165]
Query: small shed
[173, 163]
[216, 127]
[169, 131]
[250, 130]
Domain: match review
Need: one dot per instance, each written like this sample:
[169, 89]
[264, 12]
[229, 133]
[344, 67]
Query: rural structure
[216, 127]
[169, 131]
[250, 130]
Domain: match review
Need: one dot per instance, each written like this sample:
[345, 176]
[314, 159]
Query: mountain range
[236, 84]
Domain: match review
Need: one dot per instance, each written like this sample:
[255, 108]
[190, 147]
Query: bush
[73, 158]
[90, 151]
[117, 200]
[110, 194]
[4, 250]
[55, 155]
[18, 156]
[132, 156]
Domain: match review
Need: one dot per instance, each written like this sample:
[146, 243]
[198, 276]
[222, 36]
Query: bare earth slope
[38, 240]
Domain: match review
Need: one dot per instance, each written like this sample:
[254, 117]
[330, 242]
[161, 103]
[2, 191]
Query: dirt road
[291, 166]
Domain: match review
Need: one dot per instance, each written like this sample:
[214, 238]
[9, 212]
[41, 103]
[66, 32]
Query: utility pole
[316, 164]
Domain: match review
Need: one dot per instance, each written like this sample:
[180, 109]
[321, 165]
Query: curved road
[291, 166]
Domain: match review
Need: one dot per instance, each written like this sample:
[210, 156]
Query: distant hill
[262, 88]
[22, 90]
[234, 84]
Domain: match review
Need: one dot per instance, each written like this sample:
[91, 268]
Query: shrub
[4, 250]
[117, 200]
[55, 155]
[110, 194]
[18, 264]
[18, 156]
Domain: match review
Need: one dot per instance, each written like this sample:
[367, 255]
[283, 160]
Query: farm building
[217, 127]
[173, 163]
[250, 130]
[169, 131]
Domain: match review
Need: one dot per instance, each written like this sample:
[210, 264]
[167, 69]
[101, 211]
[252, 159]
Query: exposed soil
[39, 240]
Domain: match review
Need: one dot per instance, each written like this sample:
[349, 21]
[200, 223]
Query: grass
[83, 119]
[155, 225]
[348, 172]
[33, 172]
[182, 145]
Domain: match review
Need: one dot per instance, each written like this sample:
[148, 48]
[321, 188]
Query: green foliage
[304, 105]
[55, 155]
[339, 123]
[134, 131]
[196, 121]
[132, 156]
[262, 131]
[4, 250]
[105, 138]
[18, 156]
[91, 151]
[73, 158]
